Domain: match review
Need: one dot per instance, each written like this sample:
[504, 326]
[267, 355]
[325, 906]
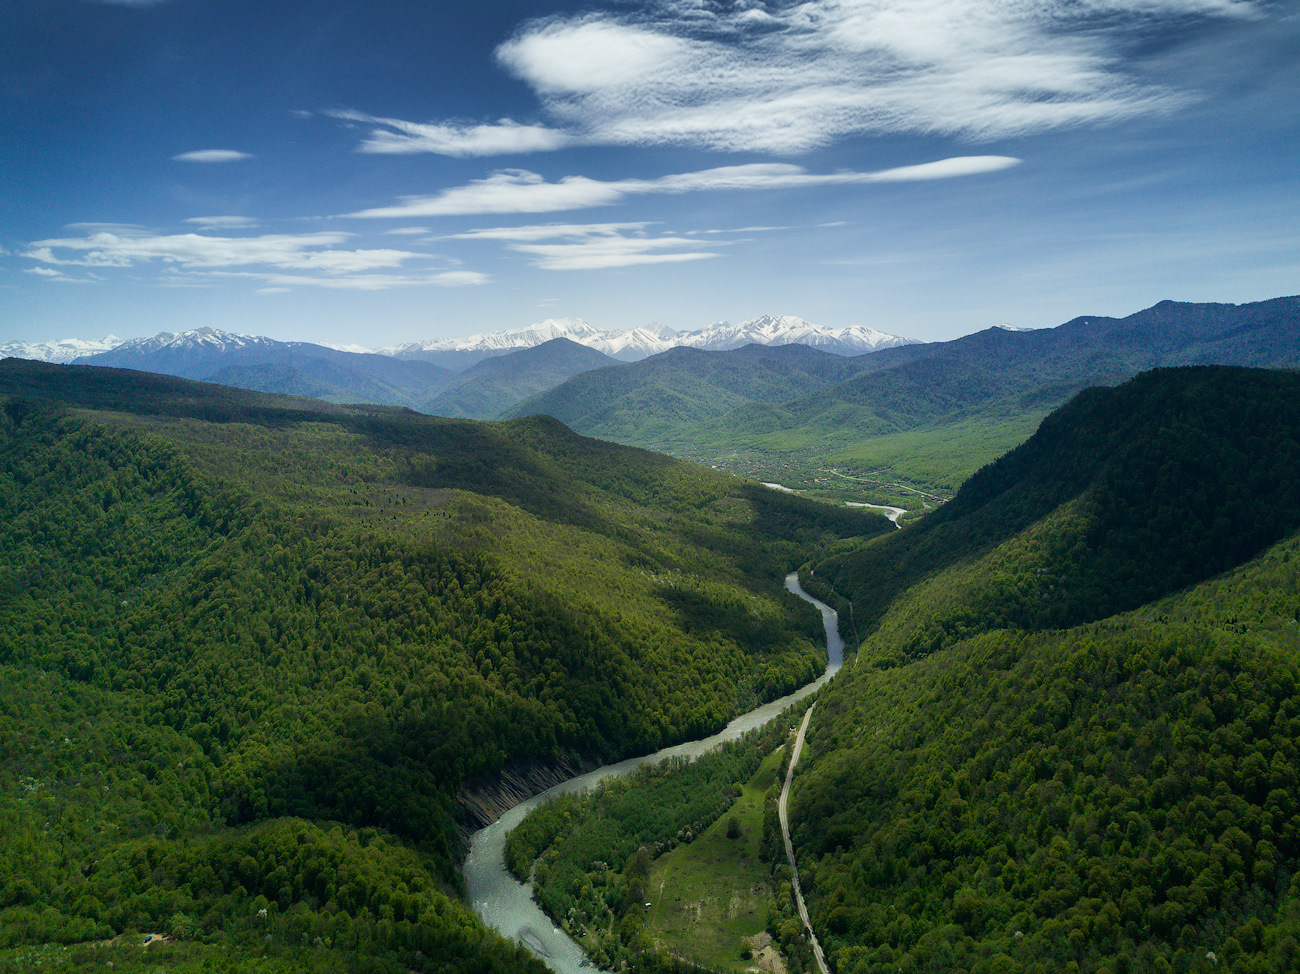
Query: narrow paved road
[789, 848]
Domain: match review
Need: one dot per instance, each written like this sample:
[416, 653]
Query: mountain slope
[1068, 738]
[654, 399]
[997, 362]
[317, 378]
[252, 646]
[1116, 796]
[1115, 501]
[491, 387]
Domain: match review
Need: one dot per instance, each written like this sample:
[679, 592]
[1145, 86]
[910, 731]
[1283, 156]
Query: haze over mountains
[769, 388]
[458, 354]
[793, 397]
[634, 345]
[958, 373]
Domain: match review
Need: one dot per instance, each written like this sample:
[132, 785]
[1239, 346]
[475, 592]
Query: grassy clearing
[943, 456]
[898, 469]
[708, 896]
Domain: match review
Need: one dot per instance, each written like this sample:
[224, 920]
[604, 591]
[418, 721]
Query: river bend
[507, 906]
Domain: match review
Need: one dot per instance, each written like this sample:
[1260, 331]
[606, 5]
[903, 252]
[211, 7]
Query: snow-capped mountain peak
[637, 343]
[60, 351]
[629, 345]
[458, 353]
[790, 330]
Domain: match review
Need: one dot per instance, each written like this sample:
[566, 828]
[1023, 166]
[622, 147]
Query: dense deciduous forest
[1122, 496]
[1117, 796]
[1069, 738]
[252, 646]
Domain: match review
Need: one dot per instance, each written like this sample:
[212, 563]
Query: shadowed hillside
[1122, 496]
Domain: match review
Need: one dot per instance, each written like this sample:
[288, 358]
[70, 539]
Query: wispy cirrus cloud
[212, 155]
[317, 259]
[789, 77]
[223, 222]
[49, 273]
[366, 282]
[309, 251]
[521, 191]
[593, 246]
[395, 136]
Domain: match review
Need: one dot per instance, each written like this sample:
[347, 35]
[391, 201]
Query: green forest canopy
[1069, 738]
[293, 626]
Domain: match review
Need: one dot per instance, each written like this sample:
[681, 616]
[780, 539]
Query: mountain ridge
[489, 388]
[639, 343]
[993, 373]
[458, 353]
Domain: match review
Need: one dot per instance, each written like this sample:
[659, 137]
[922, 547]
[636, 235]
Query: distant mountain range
[640, 343]
[458, 354]
[769, 389]
[495, 385]
[771, 386]
[60, 351]
[478, 377]
[267, 365]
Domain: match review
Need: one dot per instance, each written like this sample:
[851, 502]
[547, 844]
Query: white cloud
[212, 155]
[49, 274]
[312, 251]
[395, 136]
[592, 246]
[459, 278]
[508, 191]
[316, 259]
[520, 191]
[547, 231]
[223, 222]
[788, 77]
[594, 55]
[365, 282]
[741, 230]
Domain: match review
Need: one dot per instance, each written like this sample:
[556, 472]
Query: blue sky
[379, 172]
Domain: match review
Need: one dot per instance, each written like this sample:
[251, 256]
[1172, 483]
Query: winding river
[506, 905]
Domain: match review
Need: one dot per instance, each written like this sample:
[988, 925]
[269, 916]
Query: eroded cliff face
[486, 798]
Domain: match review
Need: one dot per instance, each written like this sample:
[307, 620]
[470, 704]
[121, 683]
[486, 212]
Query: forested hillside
[662, 398]
[1069, 738]
[251, 646]
[1120, 497]
[490, 388]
